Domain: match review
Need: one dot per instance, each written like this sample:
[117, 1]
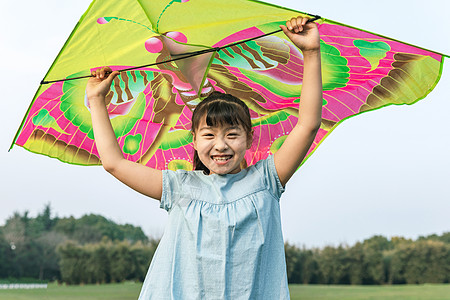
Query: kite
[173, 53]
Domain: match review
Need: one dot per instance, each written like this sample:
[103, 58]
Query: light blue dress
[223, 239]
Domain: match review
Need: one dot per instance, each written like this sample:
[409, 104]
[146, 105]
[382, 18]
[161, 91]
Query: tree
[142, 256]
[334, 265]
[429, 262]
[373, 261]
[14, 230]
[93, 228]
[292, 255]
[307, 266]
[70, 266]
[5, 257]
[48, 259]
[45, 220]
[121, 262]
[356, 269]
[445, 237]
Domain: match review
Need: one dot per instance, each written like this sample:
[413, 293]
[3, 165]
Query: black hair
[220, 109]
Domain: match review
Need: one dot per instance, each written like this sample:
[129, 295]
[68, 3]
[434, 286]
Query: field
[298, 292]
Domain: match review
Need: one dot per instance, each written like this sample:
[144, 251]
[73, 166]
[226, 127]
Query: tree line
[105, 262]
[29, 247]
[92, 249]
[375, 261]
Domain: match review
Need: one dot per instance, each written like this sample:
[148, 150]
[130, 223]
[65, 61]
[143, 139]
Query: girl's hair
[220, 109]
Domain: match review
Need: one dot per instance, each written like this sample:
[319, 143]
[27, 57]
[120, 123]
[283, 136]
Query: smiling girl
[223, 239]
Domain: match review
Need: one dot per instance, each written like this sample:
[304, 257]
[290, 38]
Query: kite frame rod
[183, 55]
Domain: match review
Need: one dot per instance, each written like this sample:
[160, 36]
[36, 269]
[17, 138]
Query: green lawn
[121, 291]
[130, 291]
[387, 292]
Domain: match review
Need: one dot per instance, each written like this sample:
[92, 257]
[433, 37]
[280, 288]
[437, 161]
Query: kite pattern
[150, 108]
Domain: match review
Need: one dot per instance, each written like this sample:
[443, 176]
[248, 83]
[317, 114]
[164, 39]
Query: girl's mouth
[221, 158]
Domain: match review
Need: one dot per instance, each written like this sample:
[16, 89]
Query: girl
[223, 239]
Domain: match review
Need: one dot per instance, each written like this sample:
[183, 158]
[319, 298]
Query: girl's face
[221, 148]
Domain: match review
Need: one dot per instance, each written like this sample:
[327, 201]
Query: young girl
[223, 239]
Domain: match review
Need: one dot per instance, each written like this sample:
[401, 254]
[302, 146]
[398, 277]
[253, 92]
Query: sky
[385, 172]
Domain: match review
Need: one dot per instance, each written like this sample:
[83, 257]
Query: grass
[129, 290]
[122, 291]
[386, 292]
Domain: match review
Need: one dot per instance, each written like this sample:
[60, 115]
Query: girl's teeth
[221, 158]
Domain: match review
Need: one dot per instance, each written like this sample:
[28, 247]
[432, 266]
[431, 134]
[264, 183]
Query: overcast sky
[385, 172]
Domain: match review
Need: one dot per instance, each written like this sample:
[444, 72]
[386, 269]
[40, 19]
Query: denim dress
[223, 239]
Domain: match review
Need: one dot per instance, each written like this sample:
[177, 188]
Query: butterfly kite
[174, 53]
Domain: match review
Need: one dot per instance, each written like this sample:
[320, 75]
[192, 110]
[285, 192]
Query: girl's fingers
[300, 23]
[111, 75]
[285, 30]
[304, 20]
[106, 71]
[296, 24]
[292, 24]
[102, 73]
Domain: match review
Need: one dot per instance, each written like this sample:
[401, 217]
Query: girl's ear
[250, 140]
[194, 141]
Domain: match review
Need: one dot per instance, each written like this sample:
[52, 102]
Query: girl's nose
[221, 145]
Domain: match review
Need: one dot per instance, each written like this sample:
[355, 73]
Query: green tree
[45, 220]
[142, 256]
[301, 265]
[429, 262]
[24, 248]
[14, 230]
[373, 261]
[445, 237]
[70, 267]
[93, 228]
[48, 259]
[425, 261]
[308, 267]
[101, 262]
[356, 268]
[334, 265]
[292, 256]
[122, 262]
[5, 257]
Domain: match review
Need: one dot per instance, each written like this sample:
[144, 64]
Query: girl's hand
[304, 35]
[99, 84]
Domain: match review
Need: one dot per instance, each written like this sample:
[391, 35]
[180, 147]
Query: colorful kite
[176, 53]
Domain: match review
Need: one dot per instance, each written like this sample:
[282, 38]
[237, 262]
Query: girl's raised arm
[143, 179]
[290, 155]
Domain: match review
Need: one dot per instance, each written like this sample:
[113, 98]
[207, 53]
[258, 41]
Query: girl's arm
[143, 179]
[288, 158]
